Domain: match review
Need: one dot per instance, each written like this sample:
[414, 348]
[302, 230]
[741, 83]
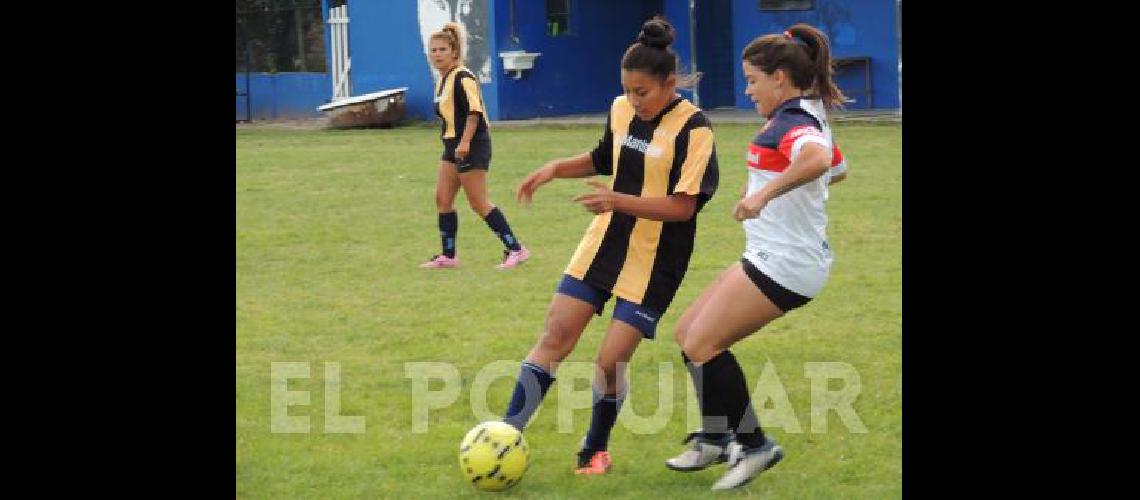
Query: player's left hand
[462, 149]
[600, 201]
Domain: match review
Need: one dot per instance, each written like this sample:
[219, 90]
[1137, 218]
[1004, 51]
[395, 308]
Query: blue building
[581, 43]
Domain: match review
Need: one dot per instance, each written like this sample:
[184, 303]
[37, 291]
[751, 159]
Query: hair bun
[657, 33]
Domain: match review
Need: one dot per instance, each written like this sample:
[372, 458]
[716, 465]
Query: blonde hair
[453, 34]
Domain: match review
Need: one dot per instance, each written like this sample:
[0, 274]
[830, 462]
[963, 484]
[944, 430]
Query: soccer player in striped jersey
[786, 260]
[658, 150]
[466, 152]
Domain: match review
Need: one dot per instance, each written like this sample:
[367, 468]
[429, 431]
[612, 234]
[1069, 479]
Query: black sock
[714, 424]
[602, 421]
[498, 223]
[448, 227]
[725, 378]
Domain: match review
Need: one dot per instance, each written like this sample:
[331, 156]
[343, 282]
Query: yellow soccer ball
[493, 456]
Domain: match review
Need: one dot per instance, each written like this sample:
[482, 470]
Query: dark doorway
[715, 57]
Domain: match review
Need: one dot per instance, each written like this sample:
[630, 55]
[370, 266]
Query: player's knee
[442, 204]
[698, 352]
[480, 207]
[556, 338]
[679, 334]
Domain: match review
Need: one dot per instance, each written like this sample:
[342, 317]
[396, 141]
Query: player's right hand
[748, 207]
[531, 183]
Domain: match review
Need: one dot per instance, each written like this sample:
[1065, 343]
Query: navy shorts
[636, 316]
[479, 158]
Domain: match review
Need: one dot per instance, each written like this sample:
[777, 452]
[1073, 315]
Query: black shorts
[785, 299]
[478, 158]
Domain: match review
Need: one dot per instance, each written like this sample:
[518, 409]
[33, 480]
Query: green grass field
[331, 226]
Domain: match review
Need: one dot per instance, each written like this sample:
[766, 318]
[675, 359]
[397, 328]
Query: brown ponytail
[804, 53]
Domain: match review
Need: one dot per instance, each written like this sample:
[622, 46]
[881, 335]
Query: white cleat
[703, 453]
[745, 465]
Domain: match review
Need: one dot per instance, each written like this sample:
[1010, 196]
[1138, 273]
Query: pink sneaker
[441, 261]
[598, 463]
[512, 259]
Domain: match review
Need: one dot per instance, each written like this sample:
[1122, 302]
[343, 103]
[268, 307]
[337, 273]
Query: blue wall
[283, 95]
[579, 72]
[855, 27]
[386, 52]
[715, 57]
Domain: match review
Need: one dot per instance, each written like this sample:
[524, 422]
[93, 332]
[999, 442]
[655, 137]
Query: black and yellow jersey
[457, 95]
[641, 260]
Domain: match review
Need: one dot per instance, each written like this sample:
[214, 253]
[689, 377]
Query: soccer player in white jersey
[786, 260]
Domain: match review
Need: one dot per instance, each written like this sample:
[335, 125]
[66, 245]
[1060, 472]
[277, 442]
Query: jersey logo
[641, 145]
[801, 131]
[753, 156]
[767, 159]
[646, 317]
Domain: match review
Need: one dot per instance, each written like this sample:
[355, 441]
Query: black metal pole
[514, 34]
[693, 50]
[248, 96]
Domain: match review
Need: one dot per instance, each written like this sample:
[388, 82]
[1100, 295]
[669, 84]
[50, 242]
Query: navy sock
[448, 227]
[714, 420]
[724, 376]
[498, 223]
[536, 381]
[605, 414]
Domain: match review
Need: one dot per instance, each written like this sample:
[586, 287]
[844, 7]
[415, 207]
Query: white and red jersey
[788, 240]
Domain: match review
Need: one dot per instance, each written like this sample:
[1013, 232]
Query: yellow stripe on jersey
[447, 101]
[588, 247]
[696, 161]
[474, 100]
[634, 277]
[620, 115]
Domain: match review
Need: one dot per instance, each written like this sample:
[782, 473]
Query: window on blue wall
[557, 17]
[276, 36]
[785, 4]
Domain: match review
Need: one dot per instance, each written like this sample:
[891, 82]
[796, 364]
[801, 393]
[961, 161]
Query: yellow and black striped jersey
[457, 95]
[641, 260]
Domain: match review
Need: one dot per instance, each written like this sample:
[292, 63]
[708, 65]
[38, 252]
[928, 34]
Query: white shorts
[803, 276]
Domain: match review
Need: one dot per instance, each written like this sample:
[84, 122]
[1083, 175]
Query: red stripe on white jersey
[761, 158]
[789, 138]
